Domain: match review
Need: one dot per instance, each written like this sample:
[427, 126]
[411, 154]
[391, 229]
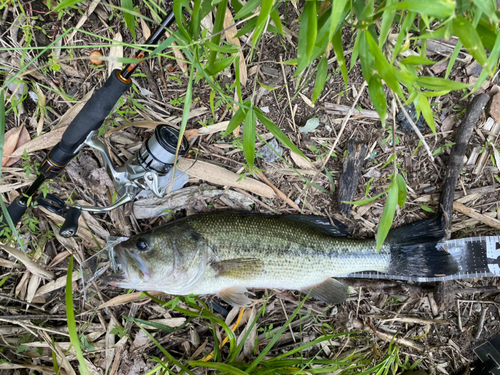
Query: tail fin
[415, 250]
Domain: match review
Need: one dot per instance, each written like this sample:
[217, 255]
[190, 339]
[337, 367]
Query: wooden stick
[278, 192]
[494, 223]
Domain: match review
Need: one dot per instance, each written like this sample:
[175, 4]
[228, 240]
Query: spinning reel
[148, 169]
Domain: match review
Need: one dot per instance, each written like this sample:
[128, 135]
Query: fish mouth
[122, 261]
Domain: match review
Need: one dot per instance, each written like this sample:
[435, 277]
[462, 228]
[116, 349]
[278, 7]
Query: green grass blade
[218, 366]
[320, 78]
[66, 4]
[195, 22]
[302, 59]
[265, 12]
[338, 48]
[129, 18]
[402, 190]
[237, 74]
[471, 41]
[388, 213]
[424, 106]
[249, 133]
[70, 316]
[492, 62]
[276, 337]
[440, 9]
[277, 21]
[368, 200]
[179, 18]
[377, 95]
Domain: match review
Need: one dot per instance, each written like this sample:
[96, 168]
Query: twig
[492, 222]
[288, 94]
[420, 136]
[460, 327]
[398, 340]
[286, 316]
[278, 192]
[480, 324]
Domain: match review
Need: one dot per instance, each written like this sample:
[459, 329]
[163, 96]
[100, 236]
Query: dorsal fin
[321, 223]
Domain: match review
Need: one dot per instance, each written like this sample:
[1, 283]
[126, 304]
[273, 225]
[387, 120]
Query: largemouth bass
[226, 253]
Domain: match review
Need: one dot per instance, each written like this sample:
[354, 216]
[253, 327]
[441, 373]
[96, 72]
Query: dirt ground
[439, 331]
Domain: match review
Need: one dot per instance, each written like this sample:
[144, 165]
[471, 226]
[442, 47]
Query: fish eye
[141, 244]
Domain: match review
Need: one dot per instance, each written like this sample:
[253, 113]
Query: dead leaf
[43, 142]
[190, 134]
[301, 161]
[115, 53]
[146, 31]
[10, 143]
[41, 102]
[31, 266]
[24, 138]
[127, 298]
[231, 31]
[215, 128]
[180, 59]
[57, 284]
[221, 176]
[306, 100]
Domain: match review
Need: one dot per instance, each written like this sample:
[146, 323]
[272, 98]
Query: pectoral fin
[241, 269]
[235, 296]
[330, 291]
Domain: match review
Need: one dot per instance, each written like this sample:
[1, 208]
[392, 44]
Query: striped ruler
[476, 257]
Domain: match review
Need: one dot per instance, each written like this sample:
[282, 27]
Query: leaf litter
[381, 309]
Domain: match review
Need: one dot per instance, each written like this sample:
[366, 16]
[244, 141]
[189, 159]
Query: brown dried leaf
[179, 55]
[31, 266]
[115, 53]
[24, 138]
[231, 31]
[127, 298]
[146, 31]
[221, 176]
[301, 161]
[10, 143]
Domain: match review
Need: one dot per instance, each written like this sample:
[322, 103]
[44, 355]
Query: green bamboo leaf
[365, 57]
[492, 62]
[471, 40]
[265, 12]
[249, 133]
[377, 95]
[278, 134]
[70, 320]
[417, 60]
[312, 27]
[250, 26]
[441, 9]
[218, 25]
[237, 74]
[388, 214]
[386, 71]
[229, 48]
[247, 9]
[368, 200]
[402, 190]
[338, 48]
[277, 21]
[386, 25]
[355, 49]
[196, 20]
[335, 17]
[129, 18]
[488, 7]
[403, 33]
[423, 105]
[236, 120]
[440, 84]
[220, 65]
[320, 78]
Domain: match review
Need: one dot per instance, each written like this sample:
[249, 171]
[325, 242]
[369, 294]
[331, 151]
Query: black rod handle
[16, 210]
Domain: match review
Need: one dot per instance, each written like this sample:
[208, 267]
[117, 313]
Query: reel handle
[70, 225]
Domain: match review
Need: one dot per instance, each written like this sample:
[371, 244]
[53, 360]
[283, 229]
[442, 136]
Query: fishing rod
[143, 171]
